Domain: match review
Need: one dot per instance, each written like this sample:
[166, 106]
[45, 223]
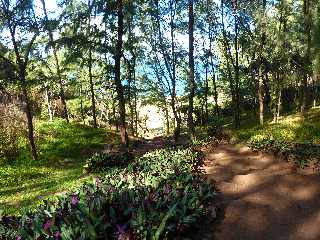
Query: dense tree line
[197, 60]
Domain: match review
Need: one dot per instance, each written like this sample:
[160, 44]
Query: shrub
[300, 153]
[12, 127]
[103, 161]
[158, 196]
[266, 143]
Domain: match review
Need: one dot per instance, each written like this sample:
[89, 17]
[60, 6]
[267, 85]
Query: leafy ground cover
[63, 149]
[290, 136]
[290, 128]
[158, 196]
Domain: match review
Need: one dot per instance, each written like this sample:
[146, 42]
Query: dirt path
[262, 197]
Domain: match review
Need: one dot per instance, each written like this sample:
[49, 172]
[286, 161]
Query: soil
[262, 197]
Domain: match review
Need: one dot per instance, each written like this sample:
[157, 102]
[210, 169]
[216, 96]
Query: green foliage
[157, 197]
[259, 142]
[290, 129]
[58, 140]
[12, 129]
[64, 148]
[298, 141]
[76, 111]
[103, 161]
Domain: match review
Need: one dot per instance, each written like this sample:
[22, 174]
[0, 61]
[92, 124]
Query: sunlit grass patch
[63, 149]
[290, 128]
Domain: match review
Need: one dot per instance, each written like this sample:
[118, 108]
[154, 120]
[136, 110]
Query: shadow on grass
[63, 149]
[290, 128]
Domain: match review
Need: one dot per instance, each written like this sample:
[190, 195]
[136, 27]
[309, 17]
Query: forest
[159, 119]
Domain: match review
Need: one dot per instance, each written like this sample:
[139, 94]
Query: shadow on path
[263, 197]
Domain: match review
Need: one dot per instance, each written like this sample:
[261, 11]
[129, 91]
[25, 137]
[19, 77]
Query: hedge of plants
[104, 161]
[158, 196]
[301, 153]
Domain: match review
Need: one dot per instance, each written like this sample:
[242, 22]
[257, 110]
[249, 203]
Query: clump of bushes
[158, 196]
[300, 153]
[217, 131]
[103, 161]
[266, 143]
[199, 143]
[12, 128]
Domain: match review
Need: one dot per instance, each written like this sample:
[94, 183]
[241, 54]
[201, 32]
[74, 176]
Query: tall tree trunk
[93, 98]
[166, 112]
[191, 70]
[279, 105]
[260, 77]
[115, 118]
[261, 96]
[22, 76]
[236, 68]
[170, 64]
[228, 59]
[22, 65]
[215, 92]
[206, 93]
[136, 113]
[52, 43]
[132, 104]
[314, 88]
[129, 89]
[214, 84]
[81, 104]
[177, 130]
[49, 106]
[119, 87]
[131, 75]
[307, 62]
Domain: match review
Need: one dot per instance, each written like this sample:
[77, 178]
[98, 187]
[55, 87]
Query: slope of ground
[262, 197]
[290, 128]
[63, 149]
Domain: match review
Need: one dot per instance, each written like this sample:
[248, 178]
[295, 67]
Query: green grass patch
[290, 128]
[63, 149]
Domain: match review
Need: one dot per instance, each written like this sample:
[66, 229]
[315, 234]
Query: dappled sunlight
[305, 192]
[39, 186]
[63, 149]
[264, 197]
[290, 128]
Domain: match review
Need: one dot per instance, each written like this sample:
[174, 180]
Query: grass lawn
[290, 128]
[63, 149]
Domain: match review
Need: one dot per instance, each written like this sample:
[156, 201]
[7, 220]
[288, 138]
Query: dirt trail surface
[263, 197]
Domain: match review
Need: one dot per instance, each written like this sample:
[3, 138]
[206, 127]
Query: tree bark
[228, 57]
[22, 65]
[119, 87]
[81, 104]
[177, 130]
[131, 75]
[171, 69]
[28, 114]
[215, 93]
[307, 62]
[49, 106]
[191, 70]
[279, 105]
[93, 98]
[206, 93]
[166, 112]
[236, 68]
[261, 96]
[260, 77]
